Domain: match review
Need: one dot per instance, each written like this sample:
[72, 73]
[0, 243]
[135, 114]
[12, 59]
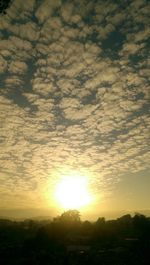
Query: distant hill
[20, 214]
[35, 218]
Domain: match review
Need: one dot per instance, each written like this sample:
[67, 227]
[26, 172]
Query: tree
[72, 216]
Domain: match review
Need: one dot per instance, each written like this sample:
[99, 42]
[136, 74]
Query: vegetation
[68, 240]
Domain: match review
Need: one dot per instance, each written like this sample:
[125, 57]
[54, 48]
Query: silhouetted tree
[122, 241]
[141, 225]
[72, 216]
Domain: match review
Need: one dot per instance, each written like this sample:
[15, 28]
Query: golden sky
[74, 101]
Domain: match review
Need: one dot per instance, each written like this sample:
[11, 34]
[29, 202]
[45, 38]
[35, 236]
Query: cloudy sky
[75, 97]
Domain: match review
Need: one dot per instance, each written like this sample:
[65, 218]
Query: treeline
[68, 240]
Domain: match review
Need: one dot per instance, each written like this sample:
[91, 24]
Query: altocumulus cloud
[74, 92]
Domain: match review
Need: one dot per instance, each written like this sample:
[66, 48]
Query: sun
[72, 192]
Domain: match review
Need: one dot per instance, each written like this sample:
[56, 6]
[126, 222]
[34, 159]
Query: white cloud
[46, 9]
[3, 64]
[131, 48]
[17, 67]
[75, 103]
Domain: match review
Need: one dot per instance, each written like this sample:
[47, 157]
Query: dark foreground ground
[67, 240]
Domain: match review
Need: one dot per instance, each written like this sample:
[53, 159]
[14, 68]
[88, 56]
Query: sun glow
[72, 192]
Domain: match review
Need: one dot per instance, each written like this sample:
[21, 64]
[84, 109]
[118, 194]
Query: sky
[74, 99]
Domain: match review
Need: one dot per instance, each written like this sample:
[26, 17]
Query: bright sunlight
[72, 192]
